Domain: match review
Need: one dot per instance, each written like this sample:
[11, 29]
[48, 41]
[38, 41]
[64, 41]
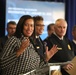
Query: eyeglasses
[40, 25]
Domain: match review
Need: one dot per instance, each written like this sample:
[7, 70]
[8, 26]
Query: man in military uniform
[65, 50]
[39, 44]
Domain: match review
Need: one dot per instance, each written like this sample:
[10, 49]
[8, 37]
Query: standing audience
[65, 50]
[19, 55]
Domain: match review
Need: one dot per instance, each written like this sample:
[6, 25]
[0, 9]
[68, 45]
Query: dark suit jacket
[39, 47]
[2, 42]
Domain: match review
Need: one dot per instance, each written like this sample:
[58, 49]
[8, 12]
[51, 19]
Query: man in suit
[74, 38]
[11, 28]
[65, 50]
[50, 30]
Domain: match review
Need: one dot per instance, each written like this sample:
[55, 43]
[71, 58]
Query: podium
[50, 68]
[54, 69]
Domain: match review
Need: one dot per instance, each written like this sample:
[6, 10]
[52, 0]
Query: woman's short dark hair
[20, 24]
[37, 18]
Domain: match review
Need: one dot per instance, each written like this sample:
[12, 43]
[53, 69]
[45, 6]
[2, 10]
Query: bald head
[60, 27]
[61, 21]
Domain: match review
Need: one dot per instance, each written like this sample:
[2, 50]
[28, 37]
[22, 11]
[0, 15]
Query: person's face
[74, 34]
[28, 27]
[51, 30]
[39, 27]
[11, 29]
[60, 28]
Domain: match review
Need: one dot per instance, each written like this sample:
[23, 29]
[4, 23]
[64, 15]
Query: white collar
[37, 36]
[58, 36]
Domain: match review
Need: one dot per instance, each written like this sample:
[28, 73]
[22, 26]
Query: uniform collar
[58, 36]
[37, 36]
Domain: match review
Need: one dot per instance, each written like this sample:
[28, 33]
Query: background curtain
[70, 17]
